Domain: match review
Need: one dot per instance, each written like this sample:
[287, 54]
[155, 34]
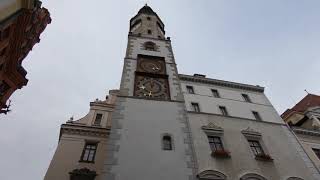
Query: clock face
[151, 87]
[151, 66]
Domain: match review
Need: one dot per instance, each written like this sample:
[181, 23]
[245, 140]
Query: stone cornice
[306, 131]
[248, 87]
[84, 130]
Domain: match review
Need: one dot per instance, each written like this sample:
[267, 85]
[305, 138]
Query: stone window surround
[84, 148]
[172, 141]
[213, 130]
[254, 135]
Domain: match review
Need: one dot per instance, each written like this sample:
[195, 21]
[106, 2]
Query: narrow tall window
[246, 97]
[215, 143]
[256, 147]
[195, 107]
[215, 93]
[167, 143]
[256, 115]
[317, 152]
[149, 31]
[190, 90]
[97, 120]
[89, 152]
[223, 110]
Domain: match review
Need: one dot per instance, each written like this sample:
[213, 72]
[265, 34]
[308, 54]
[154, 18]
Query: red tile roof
[309, 100]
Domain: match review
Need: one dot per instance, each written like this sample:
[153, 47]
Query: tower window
[167, 143]
[98, 119]
[190, 89]
[149, 18]
[150, 46]
[149, 31]
[223, 110]
[89, 152]
[256, 147]
[246, 97]
[215, 93]
[215, 143]
[317, 152]
[195, 107]
[256, 115]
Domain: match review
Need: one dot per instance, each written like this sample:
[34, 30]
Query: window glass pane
[246, 97]
[97, 121]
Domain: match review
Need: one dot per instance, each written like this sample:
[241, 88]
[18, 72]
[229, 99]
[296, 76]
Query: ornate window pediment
[252, 176]
[82, 174]
[212, 129]
[251, 133]
[211, 175]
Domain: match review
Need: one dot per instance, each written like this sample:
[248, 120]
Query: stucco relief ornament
[212, 126]
[250, 131]
[70, 120]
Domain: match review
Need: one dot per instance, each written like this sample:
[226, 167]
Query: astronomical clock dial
[152, 66]
[151, 87]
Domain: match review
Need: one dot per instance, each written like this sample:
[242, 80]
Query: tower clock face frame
[151, 87]
[151, 64]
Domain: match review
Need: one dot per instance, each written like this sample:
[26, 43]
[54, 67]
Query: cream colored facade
[237, 128]
[73, 137]
[304, 120]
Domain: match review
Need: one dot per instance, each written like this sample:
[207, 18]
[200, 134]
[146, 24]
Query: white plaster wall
[232, 99]
[287, 162]
[140, 154]
[309, 142]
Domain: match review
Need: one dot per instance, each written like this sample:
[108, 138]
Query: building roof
[309, 100]
[146, 10]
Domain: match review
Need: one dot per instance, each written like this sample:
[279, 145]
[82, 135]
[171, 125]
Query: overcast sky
[271, 43]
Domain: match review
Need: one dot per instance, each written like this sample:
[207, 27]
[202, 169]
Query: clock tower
[150, 136]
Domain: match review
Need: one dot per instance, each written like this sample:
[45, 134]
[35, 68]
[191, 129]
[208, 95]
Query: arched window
[151, 46]
[167, 142]
[252, 176]
[211, 175]
[294, 178]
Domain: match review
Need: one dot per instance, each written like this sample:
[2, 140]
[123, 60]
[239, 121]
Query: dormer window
[150, 46]
[98, 119]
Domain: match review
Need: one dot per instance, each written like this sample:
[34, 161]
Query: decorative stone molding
[84, 130]
[211, 175]
[306, 131]
[251, 133]
[83, 173]
[252, 176]
[212, 128]
[294, 178]
[221, 83]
